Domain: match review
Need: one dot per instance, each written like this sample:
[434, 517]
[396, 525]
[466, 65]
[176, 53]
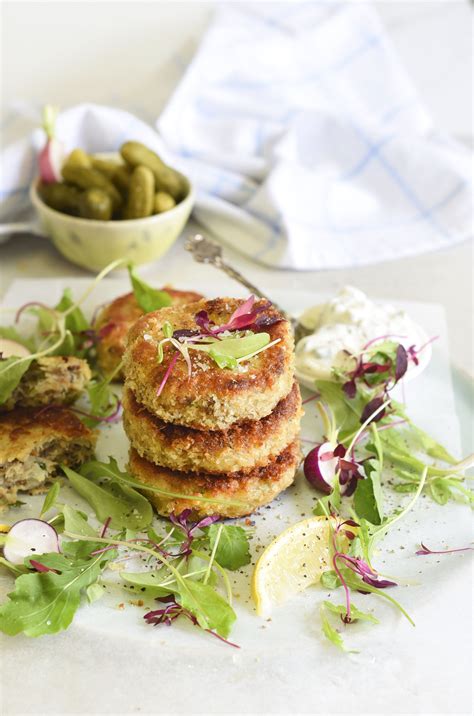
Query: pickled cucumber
[78, 158]
[121, 178]
[103, 189]
[60, 197]
[106, 166]
[89, 178]
[95, 204]
[163, 202]
[167, 179]
[141, 194]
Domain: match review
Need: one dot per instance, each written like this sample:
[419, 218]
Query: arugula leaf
[11, 372]
[50, 499]
[405, 487]
[45, 602]
[102, 399]
[329, 504]
[125, 506]
[210, 609]
[15, 569]
[440, 491]
[346, 412]
[110, 469]
[74, 324]
[76, 522]
[148, 298]
[149, 581]
[368, 497]
[415, 439]
[356, 613]
[75, 320]
[233, 547]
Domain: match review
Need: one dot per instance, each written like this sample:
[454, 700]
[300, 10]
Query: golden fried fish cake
[34, 442]
[211, 398]
[242, 447]
[234, 495]
[114, 322]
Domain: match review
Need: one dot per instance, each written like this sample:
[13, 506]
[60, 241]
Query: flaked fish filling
[38, 470]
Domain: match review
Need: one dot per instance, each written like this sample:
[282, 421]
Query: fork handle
[237, 276]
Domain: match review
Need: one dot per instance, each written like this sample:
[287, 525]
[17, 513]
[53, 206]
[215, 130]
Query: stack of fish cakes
[216, 439]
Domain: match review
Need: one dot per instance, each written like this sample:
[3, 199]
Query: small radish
[9, 348]
[51, 157]
[28, 538]
[321, 465]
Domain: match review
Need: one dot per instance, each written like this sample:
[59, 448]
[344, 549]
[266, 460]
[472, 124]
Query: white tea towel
[306, 140]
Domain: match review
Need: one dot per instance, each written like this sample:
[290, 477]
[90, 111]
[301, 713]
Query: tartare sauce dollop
[348, 322]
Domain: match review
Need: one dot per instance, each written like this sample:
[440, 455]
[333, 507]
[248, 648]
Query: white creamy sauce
[348, 322]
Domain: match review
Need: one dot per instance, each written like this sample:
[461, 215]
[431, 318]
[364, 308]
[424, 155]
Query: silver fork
[206, 251]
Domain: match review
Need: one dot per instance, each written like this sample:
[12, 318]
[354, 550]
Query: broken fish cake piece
[51, 380]
[34, 442]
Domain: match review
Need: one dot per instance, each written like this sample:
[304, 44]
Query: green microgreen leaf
[356, 614]
[148, 298]
[233, 549]
[168, 329]
[331, 633]
[223, 361]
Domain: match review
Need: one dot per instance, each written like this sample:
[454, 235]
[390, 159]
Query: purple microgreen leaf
[426, 550]
[371, 407]
[185, 332]
[401, 362]
[350, 388]
[41, 567]
[168, 372]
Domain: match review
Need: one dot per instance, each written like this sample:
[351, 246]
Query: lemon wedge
[293, 561]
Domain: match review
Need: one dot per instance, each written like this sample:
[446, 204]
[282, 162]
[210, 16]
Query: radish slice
[28, 538]
[50, 161]
[10, 348]
[51, 157]
[320, 467]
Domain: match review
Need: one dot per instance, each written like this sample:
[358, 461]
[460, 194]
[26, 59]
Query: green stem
[213, 553]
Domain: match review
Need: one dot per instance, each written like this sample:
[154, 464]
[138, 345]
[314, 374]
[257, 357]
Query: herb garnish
[374, 438]
[185, 566]
[227, 352]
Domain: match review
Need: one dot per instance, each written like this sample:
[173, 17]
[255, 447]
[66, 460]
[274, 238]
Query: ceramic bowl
[95, 244]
